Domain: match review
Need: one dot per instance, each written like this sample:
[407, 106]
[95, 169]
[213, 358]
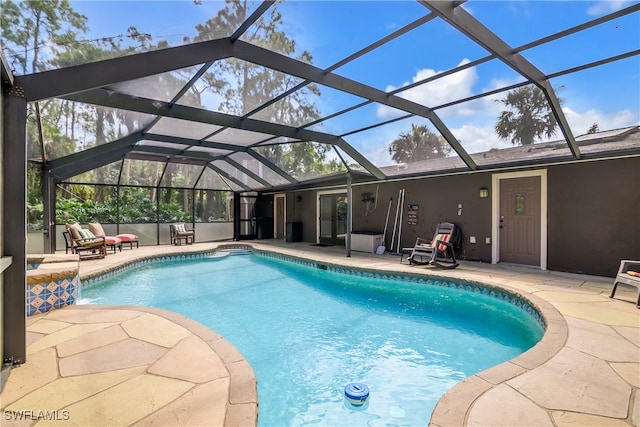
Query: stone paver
[134, 398]
[40, 371]
[518, 410]
[197, 407]
[191, 360]
[46, 326]
[144, 327]
[571, 419]
[92, 340]
[62, 335]
[576, 382]
[144, 366]
[630, 334]
[120, 355]
[630, 372]
[601, 341]
[66, 391]
[608, 314]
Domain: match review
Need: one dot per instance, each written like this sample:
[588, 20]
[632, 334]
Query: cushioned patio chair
[112, 242]
[628, 274]
[179, 233]
[85, 243]
[438, 251]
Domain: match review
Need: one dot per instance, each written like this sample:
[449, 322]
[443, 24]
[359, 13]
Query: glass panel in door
[333, 218]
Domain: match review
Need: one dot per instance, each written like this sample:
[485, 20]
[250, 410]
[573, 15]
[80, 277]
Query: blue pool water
[309, 332]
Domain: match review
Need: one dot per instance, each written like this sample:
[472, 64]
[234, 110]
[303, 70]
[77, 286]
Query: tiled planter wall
[50, 290]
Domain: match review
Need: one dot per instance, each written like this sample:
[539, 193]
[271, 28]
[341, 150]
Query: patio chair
[85, 243]
[438, 251]
[628, 274]
[68, 243]
[112, 242]
[179, 233]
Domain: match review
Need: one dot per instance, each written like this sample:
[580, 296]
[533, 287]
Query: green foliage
[528, 116]
[419, 144]
[35, 208]
[35, 215]
[70, 210]
[170, 212]
[135, 206]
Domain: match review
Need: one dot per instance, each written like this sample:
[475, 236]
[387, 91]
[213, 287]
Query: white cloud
[445, 89]
[472, 122]
[477, 139]
[581, 122]
[607, 6]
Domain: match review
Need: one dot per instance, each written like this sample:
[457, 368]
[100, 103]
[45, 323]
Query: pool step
[235, 251]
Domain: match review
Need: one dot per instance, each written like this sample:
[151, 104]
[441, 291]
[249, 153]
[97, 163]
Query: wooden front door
[519, 226]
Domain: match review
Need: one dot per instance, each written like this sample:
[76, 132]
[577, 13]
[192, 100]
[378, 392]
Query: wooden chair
[180, 233]
[85, 244]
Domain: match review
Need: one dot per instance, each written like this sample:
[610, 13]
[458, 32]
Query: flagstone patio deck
[108, 365]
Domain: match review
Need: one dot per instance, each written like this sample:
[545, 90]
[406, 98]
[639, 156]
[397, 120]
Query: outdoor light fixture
[484, 193]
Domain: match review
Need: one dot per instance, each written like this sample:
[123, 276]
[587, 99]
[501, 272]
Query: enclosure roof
[165, 112]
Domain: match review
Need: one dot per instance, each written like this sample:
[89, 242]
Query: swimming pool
[307, 332]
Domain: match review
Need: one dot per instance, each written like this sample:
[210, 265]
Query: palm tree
[528, 116]
[419, 144]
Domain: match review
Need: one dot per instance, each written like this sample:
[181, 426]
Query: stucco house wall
[593, 213]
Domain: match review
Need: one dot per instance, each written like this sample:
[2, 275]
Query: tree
[244, 86]
[32, 33]
[593, 128]
[419, 144]
[528, 116]
[31, 25]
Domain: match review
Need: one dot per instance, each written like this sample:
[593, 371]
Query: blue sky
[331, 30]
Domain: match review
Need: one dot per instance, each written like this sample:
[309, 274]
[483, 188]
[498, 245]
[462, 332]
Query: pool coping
[453, 407]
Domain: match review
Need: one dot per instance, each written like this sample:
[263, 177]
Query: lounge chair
[179, 233]
[111, 241]
[438, 251]
[628, 274]
[85, 243]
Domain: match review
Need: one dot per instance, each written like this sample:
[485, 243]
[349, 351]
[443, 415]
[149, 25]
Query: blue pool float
[356, 393]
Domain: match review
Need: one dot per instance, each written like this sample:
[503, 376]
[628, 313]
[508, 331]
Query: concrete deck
[91, 365]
